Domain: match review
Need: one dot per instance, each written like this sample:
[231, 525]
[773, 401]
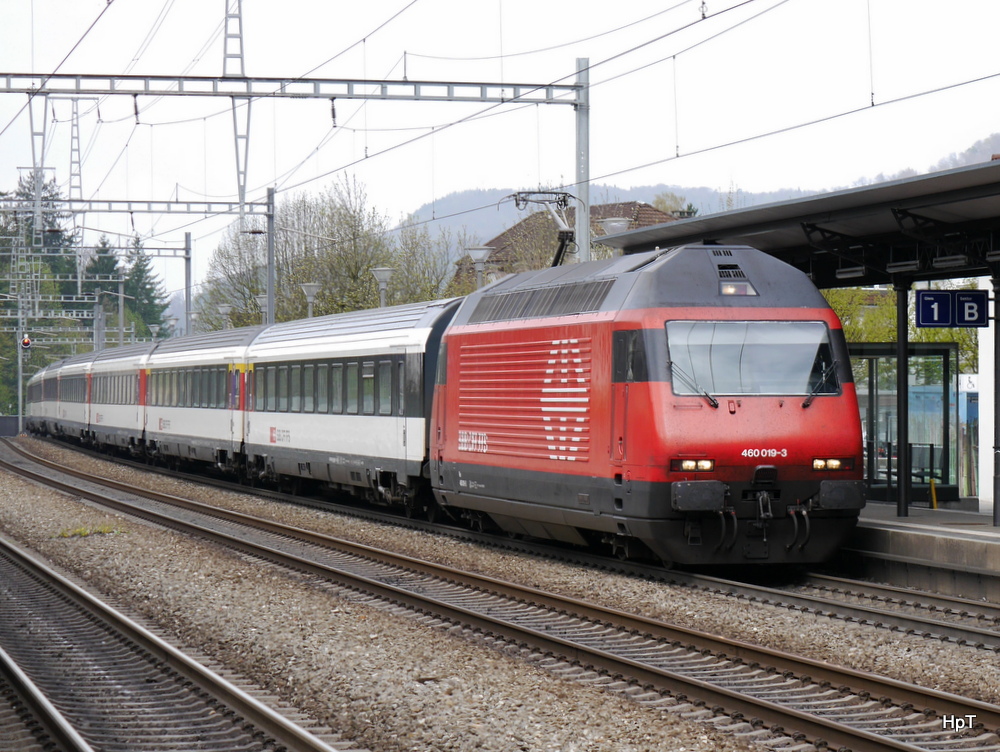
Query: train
[692, 405]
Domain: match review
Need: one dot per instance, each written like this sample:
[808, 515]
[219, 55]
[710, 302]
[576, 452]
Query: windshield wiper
[827, 372]
[692, 384]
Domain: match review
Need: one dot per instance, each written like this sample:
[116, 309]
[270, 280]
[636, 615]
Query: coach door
[391, 381]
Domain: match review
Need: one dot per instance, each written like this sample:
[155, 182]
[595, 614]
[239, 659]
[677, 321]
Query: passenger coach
[345, 399]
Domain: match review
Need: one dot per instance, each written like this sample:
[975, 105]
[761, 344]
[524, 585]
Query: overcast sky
[758, 95]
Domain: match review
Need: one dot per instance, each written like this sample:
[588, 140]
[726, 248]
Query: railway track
[755, 686]
[934, 616]
[92, 679]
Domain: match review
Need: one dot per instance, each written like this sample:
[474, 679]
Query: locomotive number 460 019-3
[764, 453]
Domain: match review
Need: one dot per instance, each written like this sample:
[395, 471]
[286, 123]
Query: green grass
[83, 532]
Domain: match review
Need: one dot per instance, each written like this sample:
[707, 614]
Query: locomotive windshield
[751, 357]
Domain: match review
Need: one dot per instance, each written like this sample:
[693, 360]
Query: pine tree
[103, 268]
[147, 298]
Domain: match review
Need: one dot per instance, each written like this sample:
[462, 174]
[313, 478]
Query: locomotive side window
[751, 357]
[629, 356]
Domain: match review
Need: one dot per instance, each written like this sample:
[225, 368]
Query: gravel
[389, 681]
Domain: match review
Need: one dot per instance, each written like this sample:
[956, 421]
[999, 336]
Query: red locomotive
[696, 402]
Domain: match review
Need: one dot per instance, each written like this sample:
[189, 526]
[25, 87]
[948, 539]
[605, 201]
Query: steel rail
[265, 719]
[774, 714]
[52, 721]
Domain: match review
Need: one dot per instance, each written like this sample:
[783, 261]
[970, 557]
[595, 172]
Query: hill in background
[485, 213]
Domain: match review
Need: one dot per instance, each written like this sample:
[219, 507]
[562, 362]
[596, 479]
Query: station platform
[946, 550]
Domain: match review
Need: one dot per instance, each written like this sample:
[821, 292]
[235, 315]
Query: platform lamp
[224, 310]
[479, 254]
[262, 304]
[310, 289]
[154, 329]
[382, 275]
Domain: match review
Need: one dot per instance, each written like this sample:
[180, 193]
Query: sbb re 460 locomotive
[698, 402]
[695, 404]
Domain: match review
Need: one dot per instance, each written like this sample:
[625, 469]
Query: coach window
[337, 389]
[207, 387]
[323, 388]
[385, 387]
[308, 388]
[368, 387]
[222, 387]
[295, 390]
[197, 379]
[352, 388]
[258, 388]
[271, 389]
[217, 384]
[282, 389]
[401, 388]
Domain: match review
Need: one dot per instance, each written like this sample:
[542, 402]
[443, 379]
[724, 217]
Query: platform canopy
[944, 225]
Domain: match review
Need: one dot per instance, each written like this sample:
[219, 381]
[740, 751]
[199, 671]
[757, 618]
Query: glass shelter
[933, 419]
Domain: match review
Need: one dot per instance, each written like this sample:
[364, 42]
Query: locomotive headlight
[692, 466]
[736, 288]
[833, 463]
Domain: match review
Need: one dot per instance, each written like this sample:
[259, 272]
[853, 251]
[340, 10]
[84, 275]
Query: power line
[56, 70]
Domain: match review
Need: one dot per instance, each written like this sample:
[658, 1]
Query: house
[532, 242]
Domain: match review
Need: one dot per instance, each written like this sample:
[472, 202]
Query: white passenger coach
[341, 400]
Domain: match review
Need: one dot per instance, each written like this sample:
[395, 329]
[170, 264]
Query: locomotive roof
[687, 276]
[377, 327]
